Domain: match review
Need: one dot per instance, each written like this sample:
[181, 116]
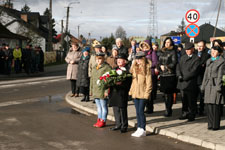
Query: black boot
[87, 99]
[84, 98]
[169, 103]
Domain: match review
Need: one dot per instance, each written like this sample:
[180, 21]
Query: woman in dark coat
[118, 97]
[213, 88]
[167, 70]
[83, 81]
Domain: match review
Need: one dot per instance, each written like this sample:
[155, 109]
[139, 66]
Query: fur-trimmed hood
[170, 48]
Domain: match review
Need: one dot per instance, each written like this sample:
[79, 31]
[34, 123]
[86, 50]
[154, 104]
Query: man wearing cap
[121, 47]
[118, 97]
[187, 73]
[8, 59]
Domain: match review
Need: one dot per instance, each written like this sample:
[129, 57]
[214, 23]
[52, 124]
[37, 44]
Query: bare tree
[120, 33]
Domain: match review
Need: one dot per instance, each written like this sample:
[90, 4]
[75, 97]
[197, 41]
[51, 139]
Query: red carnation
[108, 75]
[101, 78]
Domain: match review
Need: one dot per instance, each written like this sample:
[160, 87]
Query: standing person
[132, 51]
[187, 73]
[2, 60]
[99, 93]
[112, 59]
[223, 46]
[146, 46]
[167, 70]
[72, 60]
[121, 47]
[42, 58]
[140, 90]
[27, 59]
[155, 47]
[83, 81]
[203, 55]
[37, 59]
[8, 59]
[104, 50]
[180, 51]
[17, 55]
[118, 97]
[212, 86]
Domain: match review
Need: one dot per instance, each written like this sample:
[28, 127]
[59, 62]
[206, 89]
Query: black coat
[187, 72]
[204, 57]
[123, 50]
[168, 58]
[82, 73]
[118, 95]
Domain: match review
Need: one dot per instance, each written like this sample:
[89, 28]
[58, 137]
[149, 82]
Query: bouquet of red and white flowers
[112, 77]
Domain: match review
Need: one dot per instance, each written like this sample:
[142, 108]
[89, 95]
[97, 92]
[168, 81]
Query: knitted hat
[86, 49]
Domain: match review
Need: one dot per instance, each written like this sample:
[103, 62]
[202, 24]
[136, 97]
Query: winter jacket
[111, 61]
[123, 50]
[72, 68]
[82, 75]
[204, 57]
[187, 72]
[141, 86]
[118, 95]
[151, 55]
[168, 58]
[212, 81]
[17, 54]
[95, 90]
[92, 63]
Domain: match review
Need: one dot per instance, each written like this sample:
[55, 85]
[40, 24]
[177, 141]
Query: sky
[102, 17]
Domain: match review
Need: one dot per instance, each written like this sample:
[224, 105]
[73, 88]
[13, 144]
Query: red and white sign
[192, 30]
[192, 16]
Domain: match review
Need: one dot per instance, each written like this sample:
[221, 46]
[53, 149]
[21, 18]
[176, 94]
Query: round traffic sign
[192, 16]
[192, 30]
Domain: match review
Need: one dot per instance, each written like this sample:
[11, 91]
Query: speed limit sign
[192, 16]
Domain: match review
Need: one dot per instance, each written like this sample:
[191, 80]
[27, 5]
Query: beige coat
[141, 86]
[72, 68]
[92, 63]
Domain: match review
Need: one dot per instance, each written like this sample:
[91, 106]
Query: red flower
[101, 78]
[104, 78]
[108, 75]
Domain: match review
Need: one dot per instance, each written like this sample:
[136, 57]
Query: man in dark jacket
[187, 73]
[8, 59]
[118, 97]
[28, 59]
[121, 48]
[203, 55]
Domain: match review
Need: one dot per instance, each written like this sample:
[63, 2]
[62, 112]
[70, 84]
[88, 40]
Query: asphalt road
[36, 117]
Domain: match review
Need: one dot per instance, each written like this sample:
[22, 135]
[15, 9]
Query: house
[28, 24]
[206, 32]
[10, 38]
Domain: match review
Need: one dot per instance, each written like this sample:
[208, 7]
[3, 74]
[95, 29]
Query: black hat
[122, 56]
[189, 46]
[140, 54]
[100, 54]
[218, 48]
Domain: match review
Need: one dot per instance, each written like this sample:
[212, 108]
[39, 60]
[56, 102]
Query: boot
[87, 99]
[84, 98]
[168, 103]
[96, 124]
[102, 123]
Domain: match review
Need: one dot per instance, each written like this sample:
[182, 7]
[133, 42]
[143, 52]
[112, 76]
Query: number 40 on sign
[192, 16]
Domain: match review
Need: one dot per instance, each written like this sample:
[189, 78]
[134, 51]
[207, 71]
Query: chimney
[24, 17]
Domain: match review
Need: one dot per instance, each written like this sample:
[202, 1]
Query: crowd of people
[192, 72]
[30, 59]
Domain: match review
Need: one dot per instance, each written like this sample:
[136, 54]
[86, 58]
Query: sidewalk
[48, 69]
[195, 132]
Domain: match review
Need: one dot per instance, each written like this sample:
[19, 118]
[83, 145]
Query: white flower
[107, 73]
[119, 72]
[123, 68]
[98, 82]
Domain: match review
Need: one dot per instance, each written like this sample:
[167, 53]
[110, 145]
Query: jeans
[140, 106]
[102, 108]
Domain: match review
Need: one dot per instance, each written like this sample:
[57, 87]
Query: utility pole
[50, 27]
[62, 37]
[67, 21]
[214, 33]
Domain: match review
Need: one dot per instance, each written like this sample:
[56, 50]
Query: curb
[156, 130]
